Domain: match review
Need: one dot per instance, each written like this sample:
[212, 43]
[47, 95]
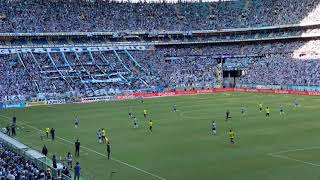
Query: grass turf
[182, 145]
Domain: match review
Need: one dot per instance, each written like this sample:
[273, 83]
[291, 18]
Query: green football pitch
[182, 146]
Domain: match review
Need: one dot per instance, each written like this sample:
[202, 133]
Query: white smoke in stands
[311, 49]
[314, 15]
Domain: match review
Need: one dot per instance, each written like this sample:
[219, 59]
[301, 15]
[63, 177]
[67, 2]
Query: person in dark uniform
[52, 131]
[8, 130]
[227, 115]
[14, 120]
[13, 129]
[108, 149]
[77, 146]
[44, 150]
[54, 162]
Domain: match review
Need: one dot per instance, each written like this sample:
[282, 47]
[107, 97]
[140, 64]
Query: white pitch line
[293, 159]
[124, 163]
[294, 150]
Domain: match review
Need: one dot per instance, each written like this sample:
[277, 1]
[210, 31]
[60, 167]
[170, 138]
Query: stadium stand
[167, 67]
[188, 45]
[80, 15]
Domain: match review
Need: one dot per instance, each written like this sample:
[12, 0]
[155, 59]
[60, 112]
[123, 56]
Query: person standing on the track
[108, 149]
[77, 146]
[52, 131]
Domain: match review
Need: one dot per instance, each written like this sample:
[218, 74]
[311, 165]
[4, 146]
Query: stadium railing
[40, 160]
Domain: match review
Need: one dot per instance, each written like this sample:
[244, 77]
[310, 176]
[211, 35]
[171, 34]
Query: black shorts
[268, 114]
[150, 127]
[260, 109]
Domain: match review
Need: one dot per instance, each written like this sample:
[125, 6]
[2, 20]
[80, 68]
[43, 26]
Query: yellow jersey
[260, 105]
[231, 135]
[47, 130]
[150, 123]
[103, 132]
[267, 110]
[144, 111]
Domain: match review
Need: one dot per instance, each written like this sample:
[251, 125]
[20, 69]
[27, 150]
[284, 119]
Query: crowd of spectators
[285, 63]
[14, 166]
[279, 70]
[88, 16]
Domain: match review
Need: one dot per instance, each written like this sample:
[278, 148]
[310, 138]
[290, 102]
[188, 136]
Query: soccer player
[145, 113]
[227, 115]
[214, 128]
[281, 110]
[76, 122]
[267, 112]
[47, 132]
[150, 126]
[243, 111]
[52, 131]
[108, 149]
[104, 133]
[295, 102]
[260, 107]
[77, 147]
[174, 108]
[231, 136]
[135, 122]
[99, 136]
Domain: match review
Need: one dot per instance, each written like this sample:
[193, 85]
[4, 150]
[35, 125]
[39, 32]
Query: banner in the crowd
[56, 101]
[95, 99]
[102, 81]
[13, 105]
[36, 103]
[268, 87]
[73, 49]
[304, 88]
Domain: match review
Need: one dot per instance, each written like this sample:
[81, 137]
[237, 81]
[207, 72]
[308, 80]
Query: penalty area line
[277, 155]
[293, 159]
[116, 160]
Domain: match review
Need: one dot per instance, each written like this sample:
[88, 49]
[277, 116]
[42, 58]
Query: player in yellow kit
[150, 126]
[267, 112]
[260, 107]
[47, 132]
[231, 136]
[104, 133]
[145, 113]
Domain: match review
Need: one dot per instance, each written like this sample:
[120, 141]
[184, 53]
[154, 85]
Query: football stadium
[159, 90]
